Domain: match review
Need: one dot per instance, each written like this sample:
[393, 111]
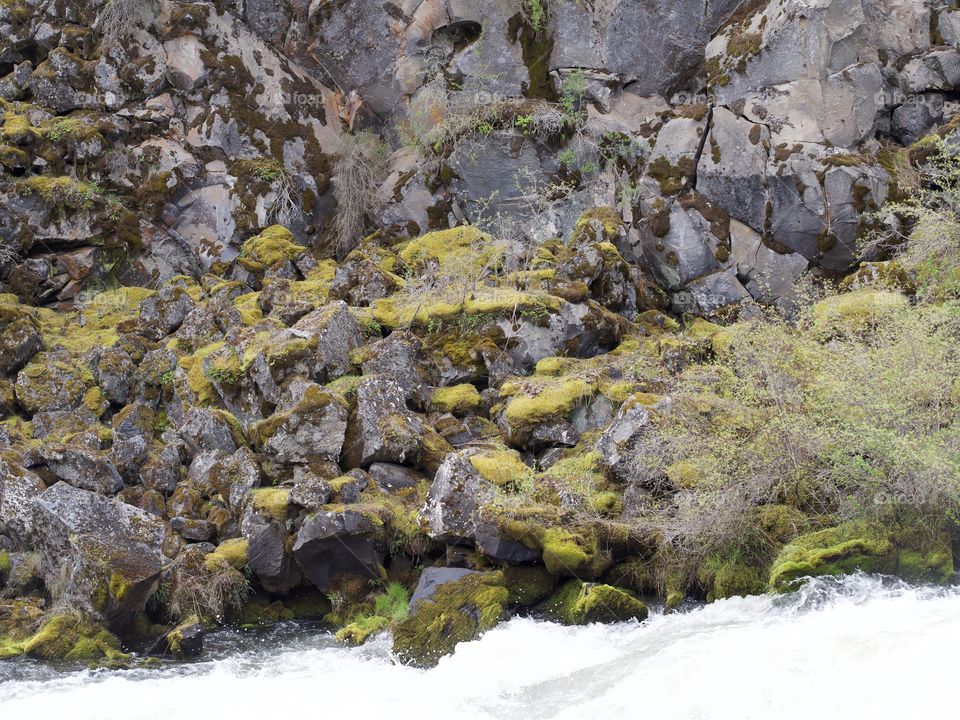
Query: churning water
[858, 647]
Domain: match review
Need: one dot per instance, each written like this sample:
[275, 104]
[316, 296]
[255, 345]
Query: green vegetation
[457, 612]
[61, 192]
[580, 603]
[389, 608]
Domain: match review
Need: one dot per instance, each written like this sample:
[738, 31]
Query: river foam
[859, 647]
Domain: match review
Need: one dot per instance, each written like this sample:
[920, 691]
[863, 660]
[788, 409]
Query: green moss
[580, 603]
[567, 553]
[446, 246]
[607, 503]
[248, 307]
[232, 552]
[600, 225]
[61, 192]
[395, 312]
[458, 399]
[729, 577]
[531, 404]
[97, 324]
[457, 612]
[577, 469]
[175, 636]
[197, 380]
[528, 584]
[686, 474]
[345, 387]
[855, 311]
[314, 398]
[361, 629]
[781, 522]
[268, 248]
[4, 565]
[72, 638]
[834, 551]
[555, 366]
[95, 401]
[671, 178]
[272, 502]
[308, 605]
[261, 611]
[505, 468]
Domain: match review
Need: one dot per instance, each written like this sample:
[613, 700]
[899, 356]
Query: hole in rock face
[457, 36]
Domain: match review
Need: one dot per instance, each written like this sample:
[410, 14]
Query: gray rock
[114, 371]
[382, 428]
[268, 18]
[186, 69]
[18, 487]
[397, 357]
[85, 469]
[204, 431]
[132, 434]
[267, 554]
[433, 577]
[916, 117]
[98, 553]
[186, 641]
[935, 69]
[768, 276]
[19, 341]
[337, 333]
[679, 252]
[162, 472]
[192, 530]
[164, 312]
[309, 490]
[314, 427]
[710, 293]
[233, 477]
[394, 478]
[456, 498]
[616, 443]
[733, 165]
[492, 543]
[333, 543]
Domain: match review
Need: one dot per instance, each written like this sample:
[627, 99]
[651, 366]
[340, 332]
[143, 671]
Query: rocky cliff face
[318, 292]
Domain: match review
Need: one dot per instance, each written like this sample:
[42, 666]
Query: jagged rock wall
[158, 148]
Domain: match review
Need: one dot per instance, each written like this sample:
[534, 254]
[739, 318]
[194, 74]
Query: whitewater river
[858, 648]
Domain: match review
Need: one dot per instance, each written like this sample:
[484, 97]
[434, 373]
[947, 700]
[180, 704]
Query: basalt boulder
[98, 553]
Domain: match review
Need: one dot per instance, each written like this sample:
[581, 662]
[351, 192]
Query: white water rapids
[860, 647]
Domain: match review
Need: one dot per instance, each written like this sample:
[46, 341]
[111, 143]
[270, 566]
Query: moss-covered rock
[73, 638]
[859, 546]
[504, 468]
[53, 381]
[724, 577]
[458, 399]
[855, 311]
[268, 248]
[457, 612]
[528, 584]
[362, 629]
[834, 551]
[445, 247]
[580, 603]
[233, 552]
[536, 401]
